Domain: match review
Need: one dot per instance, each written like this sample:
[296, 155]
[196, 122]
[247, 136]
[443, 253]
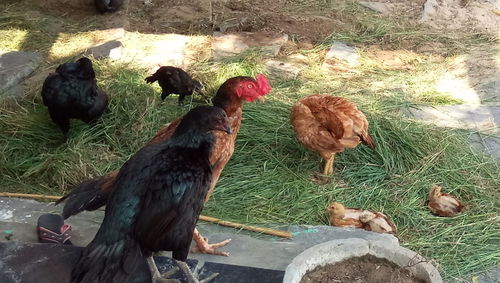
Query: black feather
[157, 198]
[104, 6]
[175, 81]
[72, 93]
[78, 199]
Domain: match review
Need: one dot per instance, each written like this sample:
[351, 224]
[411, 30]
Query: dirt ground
[306, 22]
[366, 269]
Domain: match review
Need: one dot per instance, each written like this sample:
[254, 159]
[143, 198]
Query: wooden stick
[18, 195]
[279, 233]
[283, 234]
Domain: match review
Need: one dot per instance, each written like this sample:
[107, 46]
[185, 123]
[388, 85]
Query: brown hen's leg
[202, 245]
[328, 169]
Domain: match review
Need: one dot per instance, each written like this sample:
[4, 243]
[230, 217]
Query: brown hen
[329, 124]
[340, 216]
[443, 204]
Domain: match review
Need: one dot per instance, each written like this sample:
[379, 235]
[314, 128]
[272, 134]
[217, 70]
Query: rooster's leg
[328, 169]
[157, 277]
[192, 277]
[204, 247]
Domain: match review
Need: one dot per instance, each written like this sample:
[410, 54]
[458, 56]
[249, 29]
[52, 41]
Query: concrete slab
[246, 249]
[463, 116]
[488, 144]
[50, 263]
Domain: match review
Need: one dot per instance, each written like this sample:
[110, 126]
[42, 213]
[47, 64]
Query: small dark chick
[175, 81]
[104, 6]
[72, 93]
[157, 198]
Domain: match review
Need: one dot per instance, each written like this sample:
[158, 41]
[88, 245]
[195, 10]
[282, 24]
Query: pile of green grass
[268, 178]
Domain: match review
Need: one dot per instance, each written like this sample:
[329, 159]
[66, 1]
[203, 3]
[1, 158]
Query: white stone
[227, 45]
[279, 69]
[341, 57]
[376, 6]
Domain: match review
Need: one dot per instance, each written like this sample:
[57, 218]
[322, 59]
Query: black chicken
[104, 6]
[156, 201]
[72, 93]
[175, 80]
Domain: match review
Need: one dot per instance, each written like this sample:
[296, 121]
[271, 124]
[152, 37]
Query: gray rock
[111, 49]
[376, 6]
[341, 57]
[279, 69]
[15, 66]
[464, 116]
[227, 45]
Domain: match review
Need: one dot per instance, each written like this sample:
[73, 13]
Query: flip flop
[51, 229]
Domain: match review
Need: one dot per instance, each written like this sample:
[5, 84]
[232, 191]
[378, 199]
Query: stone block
[227, 45]
[341, 57]
[111, 49]
[15, 66]
[279, 69]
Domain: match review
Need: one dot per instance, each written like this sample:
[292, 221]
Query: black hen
[72, 93]
[156, 201]
[104, 6]
[175, 80]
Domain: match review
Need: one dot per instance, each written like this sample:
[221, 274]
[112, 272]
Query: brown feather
[443, 204]
[329, 124]
[341, 216]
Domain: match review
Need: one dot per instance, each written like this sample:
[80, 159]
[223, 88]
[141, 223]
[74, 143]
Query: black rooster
[175, 80]
[104, 6]
[72, 93]
[156, 201]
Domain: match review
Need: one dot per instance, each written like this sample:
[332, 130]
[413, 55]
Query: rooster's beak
[261, 98]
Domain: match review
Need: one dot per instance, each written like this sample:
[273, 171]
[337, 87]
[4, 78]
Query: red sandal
[51, 229]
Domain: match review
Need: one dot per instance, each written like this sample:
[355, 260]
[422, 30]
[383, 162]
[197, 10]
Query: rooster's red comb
[263, 84]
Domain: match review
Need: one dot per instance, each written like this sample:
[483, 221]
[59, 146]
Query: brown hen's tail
[89, 195]
[368, 141]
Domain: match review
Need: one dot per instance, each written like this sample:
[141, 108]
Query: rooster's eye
[250, 86]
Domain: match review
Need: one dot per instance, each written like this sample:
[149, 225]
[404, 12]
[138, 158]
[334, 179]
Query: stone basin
[340, 250]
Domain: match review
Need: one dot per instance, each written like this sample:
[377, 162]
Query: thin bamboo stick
[279, 233]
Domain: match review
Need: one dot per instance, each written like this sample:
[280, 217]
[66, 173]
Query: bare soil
[365, 269]
[305, 21]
